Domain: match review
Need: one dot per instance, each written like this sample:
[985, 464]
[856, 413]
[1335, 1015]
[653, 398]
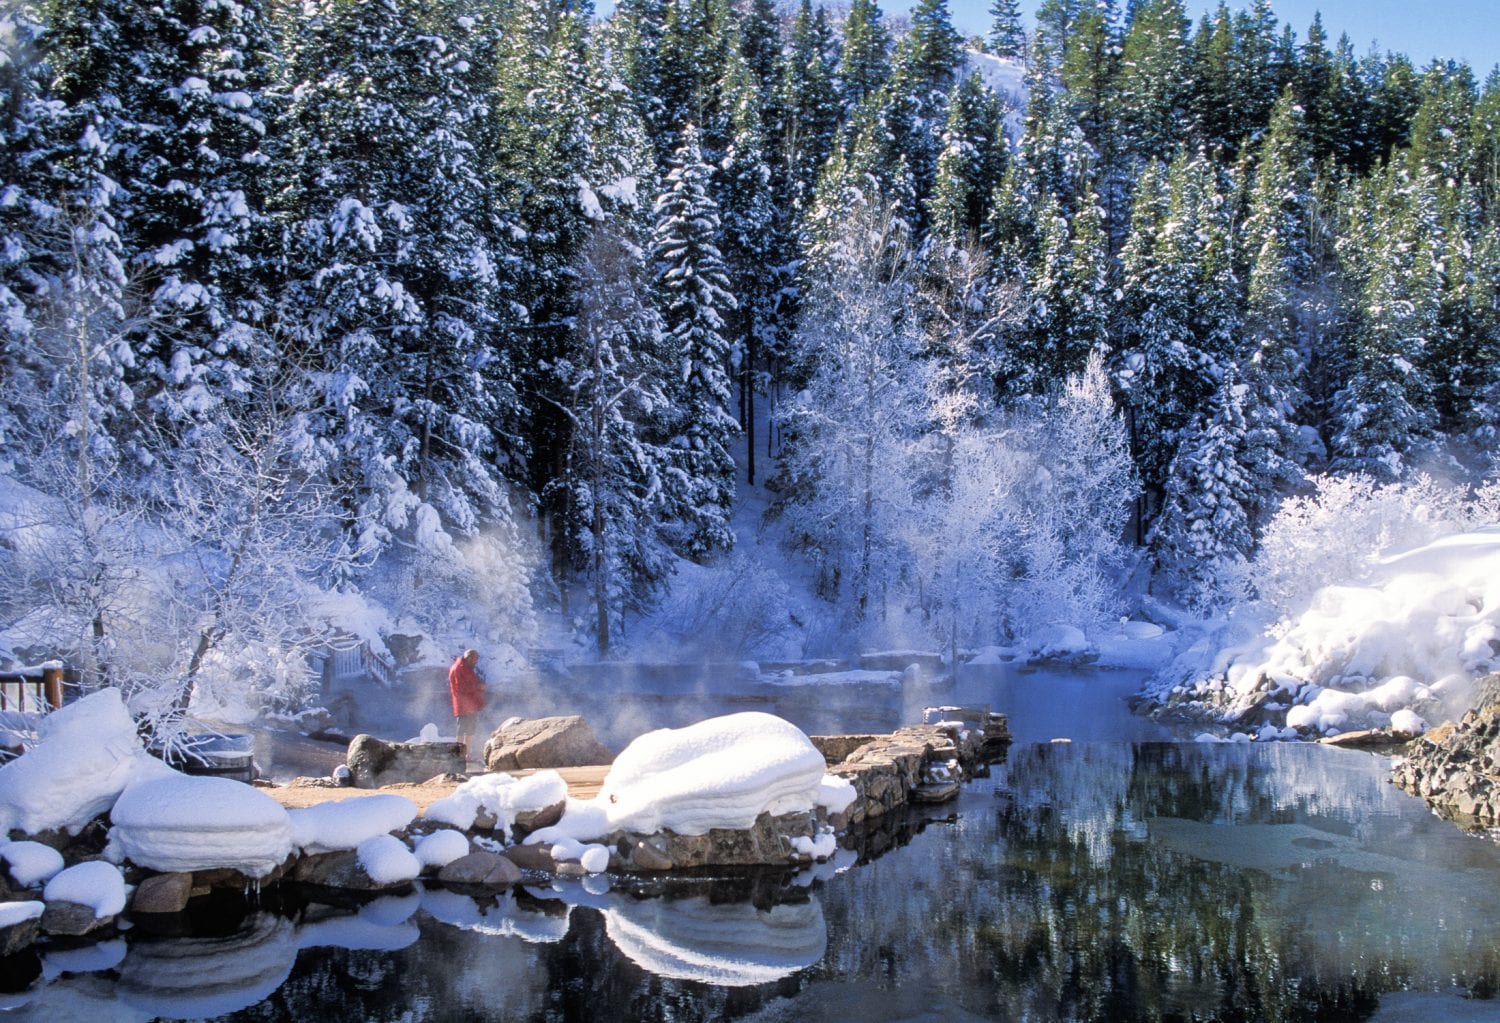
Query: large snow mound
[720, 773]
[184, 823]
[87, 753]
[1397, 650]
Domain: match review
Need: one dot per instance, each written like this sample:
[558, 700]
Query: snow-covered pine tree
[695, 49]
[195, 181]
[394, 284]
[1007, 36]
[865, 65]
[613, 476]
[1203, 538]
[1281, 311]
[1153, 79]
[970, 164]
[1179, 318]
[806, 110]
[1384, 415]
[748, 225]
[924, 68]
[693, 287]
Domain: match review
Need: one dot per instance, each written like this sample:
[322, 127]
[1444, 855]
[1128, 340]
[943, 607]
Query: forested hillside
[472, 301]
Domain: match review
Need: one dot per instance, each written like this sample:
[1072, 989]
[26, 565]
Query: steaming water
[1113, 878]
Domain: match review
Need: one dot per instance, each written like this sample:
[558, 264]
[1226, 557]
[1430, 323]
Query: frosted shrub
[738, 609]
[1339, 532]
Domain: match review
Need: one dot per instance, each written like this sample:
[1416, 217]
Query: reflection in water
[729, 944]
[1081, 882]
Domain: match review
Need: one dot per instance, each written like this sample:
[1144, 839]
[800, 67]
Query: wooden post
[52, 680]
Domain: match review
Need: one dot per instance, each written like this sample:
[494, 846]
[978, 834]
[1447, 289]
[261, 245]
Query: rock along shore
[921, 763]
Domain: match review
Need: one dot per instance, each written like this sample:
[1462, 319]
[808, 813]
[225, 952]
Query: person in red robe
[468, 692]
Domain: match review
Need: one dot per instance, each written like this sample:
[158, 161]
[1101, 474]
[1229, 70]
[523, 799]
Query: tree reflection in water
[1107, 881]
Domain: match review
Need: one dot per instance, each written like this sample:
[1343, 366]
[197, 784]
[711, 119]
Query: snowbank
[87, 753]
[1398, 650]
[185, 823]
[719, 773]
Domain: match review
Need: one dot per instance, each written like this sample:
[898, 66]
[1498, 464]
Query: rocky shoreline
[922, 763]
[1455, 767]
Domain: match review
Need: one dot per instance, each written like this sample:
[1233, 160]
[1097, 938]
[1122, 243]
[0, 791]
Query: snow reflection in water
[1088, 881]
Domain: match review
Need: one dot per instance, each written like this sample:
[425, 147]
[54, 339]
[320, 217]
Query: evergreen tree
[1179, 320]
[1384, 414]
[748, 222]
[612, 482]
[394, 288]
[807, 109]
[1280, 313]
[760, 48]
[195, 185]
[695, 297]
[695, 49]
[923, 72]
[1069, 298]
[1007, 37]
[865, 65]
[971, 162]
[1153, 78]
[1203, 538]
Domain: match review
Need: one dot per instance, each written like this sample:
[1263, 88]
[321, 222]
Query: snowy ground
[1399, 649]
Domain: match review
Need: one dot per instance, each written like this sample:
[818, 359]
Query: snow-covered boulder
[500, 801]
[83, 897]
[31, 863]
[720, 773]
[87, 753]
[182, 823]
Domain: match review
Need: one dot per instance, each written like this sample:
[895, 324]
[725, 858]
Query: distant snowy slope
[1007, 79]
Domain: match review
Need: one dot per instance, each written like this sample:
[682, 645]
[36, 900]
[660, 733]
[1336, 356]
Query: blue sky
[1462, 29]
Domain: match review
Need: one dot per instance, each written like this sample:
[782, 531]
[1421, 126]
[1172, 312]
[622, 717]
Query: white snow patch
[31, 863]
[95, 884]
[185, 823]
[345, 824]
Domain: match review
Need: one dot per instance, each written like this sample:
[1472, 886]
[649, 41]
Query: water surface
[1115, 877]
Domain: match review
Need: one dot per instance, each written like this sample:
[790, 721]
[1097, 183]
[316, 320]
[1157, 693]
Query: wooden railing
[37, 690]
